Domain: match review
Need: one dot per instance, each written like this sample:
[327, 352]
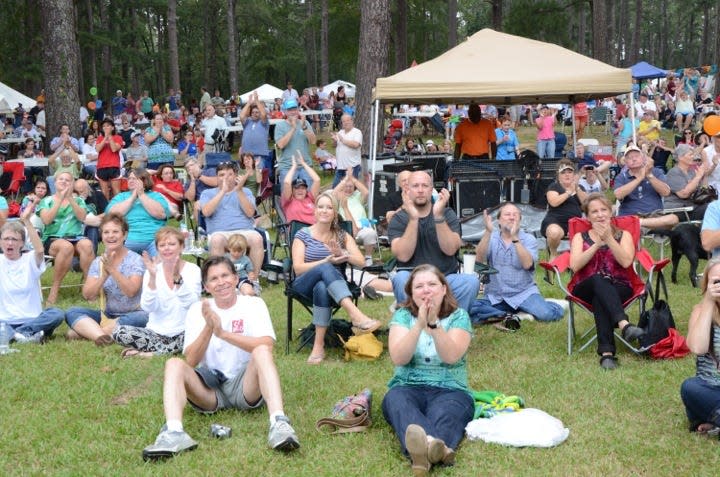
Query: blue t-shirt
[425, 367]
[643, 199]
[298, 141]
[4, 204]
[255, 137]
[506, 150]
[142, 225]
[711, 221]
[228, 214]
[192, 150]
[200, 185]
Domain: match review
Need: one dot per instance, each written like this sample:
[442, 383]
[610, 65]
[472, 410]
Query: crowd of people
[148, 299]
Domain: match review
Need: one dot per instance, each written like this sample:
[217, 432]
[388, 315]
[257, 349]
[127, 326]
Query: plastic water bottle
[186, 234]
[5, 333]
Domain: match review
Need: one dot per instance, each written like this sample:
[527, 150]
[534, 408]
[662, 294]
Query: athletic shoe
[282, 435]
[169, 444]
[36, 338]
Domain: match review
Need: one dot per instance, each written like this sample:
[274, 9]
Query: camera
[220, 432]
[589, 168]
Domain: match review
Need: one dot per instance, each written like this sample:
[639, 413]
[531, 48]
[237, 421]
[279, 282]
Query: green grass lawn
[70, 408]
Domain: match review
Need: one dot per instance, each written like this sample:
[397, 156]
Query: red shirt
[174, 186]
[106, 157]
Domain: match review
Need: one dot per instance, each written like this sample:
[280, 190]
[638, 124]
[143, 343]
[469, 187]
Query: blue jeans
[341, 173]
[325, 284]
[546, 148]
[535, 304]
[140, 247]
[702, 401]
[302, 174]
[138, 318]
[443, 413]
[465, 287]
[46, 322]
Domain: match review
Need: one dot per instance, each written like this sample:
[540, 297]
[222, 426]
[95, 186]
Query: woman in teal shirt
[145, 211]
[429, 403]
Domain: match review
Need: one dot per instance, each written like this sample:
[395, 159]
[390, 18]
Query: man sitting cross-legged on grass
[228, 364]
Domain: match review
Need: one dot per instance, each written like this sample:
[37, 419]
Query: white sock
[275, 415]
[174, 425]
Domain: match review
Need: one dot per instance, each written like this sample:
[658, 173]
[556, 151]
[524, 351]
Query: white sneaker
[524, 316]
[35, 338]
[282, 435]
[169, 444]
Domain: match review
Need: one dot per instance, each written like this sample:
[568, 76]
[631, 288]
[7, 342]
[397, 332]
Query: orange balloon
[91, 105]
[711, 125]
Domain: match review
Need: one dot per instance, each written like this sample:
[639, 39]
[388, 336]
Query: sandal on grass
[366, 327]
[103, 340]
[129, 353]
[315, 359]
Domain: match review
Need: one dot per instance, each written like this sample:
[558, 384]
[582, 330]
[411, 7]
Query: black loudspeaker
[385, 187]
[472, 197]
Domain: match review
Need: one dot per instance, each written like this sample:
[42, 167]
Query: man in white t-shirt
[228, 364]
[348, 142]
[645, 105]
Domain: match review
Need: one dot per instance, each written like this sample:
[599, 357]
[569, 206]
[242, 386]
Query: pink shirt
[301, 210]
[547, 127]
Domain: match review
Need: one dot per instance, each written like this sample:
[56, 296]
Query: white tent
[266, 93]
[349, 87]
[10, 98]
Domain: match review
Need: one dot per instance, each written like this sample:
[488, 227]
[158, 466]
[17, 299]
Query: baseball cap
[682, 149]
[290, 104]
[299, 182]
[586, 161]
[429, 142]
[118, 91]
[566, 167]
[135, 134]
[631, 147]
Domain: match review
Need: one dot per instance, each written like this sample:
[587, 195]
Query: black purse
[704, 195]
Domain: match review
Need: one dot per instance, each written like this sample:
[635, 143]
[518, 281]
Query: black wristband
[515, 241]
[432, 326]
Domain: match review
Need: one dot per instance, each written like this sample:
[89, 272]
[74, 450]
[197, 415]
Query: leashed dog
[685, 240]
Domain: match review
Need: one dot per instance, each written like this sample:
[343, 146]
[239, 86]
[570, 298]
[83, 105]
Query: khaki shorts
[227, 391]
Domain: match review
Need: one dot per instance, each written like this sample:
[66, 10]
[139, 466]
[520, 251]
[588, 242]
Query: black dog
[685, 240]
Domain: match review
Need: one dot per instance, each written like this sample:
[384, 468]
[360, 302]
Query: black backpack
[656, 321]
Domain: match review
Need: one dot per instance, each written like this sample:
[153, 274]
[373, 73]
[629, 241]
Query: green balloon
[93, 90]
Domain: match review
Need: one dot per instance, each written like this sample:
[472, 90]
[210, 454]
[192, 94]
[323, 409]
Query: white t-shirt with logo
[248, 317]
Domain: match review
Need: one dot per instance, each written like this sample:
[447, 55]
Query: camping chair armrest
[648, 262]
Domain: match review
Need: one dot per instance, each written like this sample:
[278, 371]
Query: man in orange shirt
[475, 136]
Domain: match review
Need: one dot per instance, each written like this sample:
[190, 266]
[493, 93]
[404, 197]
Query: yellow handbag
[363, 347]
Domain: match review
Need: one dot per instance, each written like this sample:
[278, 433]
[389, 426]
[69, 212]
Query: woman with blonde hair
[319, 252]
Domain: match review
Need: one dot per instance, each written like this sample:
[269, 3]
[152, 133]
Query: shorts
[366, 236]
[247, 233]
[227, 391]
[552, 220]
[50, 240]
[108, 173]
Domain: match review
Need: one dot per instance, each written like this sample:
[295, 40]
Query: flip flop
[129, 353]
[103, 340]
[315, 359]
[370, 293]
[366, 327]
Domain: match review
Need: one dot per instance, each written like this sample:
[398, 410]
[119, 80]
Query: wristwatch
[516, 241]
[651, 176]
[432, 326]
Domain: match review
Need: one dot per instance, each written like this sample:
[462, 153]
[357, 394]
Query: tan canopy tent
[497, 68]
[494, 67]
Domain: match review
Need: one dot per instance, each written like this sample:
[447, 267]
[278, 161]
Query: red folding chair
[18, 177]
[640, 287]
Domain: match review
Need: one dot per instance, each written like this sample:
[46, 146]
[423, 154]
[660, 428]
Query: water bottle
[186, 235]
[5, 334]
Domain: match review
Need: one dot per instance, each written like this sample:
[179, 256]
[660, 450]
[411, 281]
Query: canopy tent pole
[632, 117]
[374, 118]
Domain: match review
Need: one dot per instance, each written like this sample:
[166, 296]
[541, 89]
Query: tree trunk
[635, 43]
[600, 33]
[310, 49]
[104, 87]
[716, 50]
[78, 54]
[91, 53]
[324, 35]
[663, 44]
[172, 39]
[703, 56]
[612, 40]
[452, 23]
[581, 29]
[401, 58]
[372, 60]
[621, 29]
[497, 14]
[133, 72]
[60, 65]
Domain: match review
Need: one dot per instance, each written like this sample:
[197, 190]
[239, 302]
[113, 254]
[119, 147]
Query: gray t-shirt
[427, 249]
[677, 180]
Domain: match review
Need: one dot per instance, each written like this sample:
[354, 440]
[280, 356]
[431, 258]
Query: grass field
[70, 408]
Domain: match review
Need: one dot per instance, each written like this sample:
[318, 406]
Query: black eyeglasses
[688, 132]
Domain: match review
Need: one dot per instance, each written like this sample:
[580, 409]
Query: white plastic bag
[524, 428]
